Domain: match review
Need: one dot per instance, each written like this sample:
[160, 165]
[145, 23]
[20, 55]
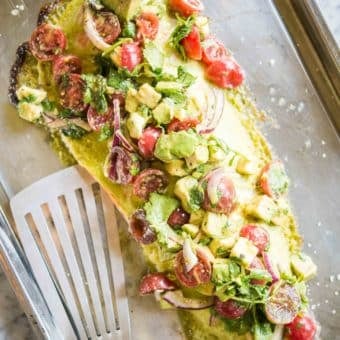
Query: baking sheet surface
[298, 128]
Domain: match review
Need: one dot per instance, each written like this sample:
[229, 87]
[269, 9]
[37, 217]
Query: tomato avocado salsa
[143, 96]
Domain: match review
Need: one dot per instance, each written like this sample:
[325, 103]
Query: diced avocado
[148, 96]
[206, 289]
[189, 192]
[220, 246]
[164, 111]
[196, 217]
[200, 156]
[125, 9]
[217, 150]
[131, 102]
[136, 124]
[202, 23]
[224, 271]
[176, 145]
[246, 167]
[29, 111]
[191, 229]
[166, 86]
[214, 225]
[181, 113]
[177, 168]
[262, 207]
[244, 250]
[303, 266]
[31, 95]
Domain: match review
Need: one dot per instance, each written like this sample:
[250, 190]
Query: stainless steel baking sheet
[298, 127]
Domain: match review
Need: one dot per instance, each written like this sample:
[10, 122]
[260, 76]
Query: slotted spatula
[67, 226]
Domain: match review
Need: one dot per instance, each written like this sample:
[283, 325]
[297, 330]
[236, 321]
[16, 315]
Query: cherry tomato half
[65, 64]
[72, 90]
[140, 228]
[178, 217]
[200, 273]
[108, 26]
[148, 181]
[147, 142]
[225, 73]
[273, 179]
[192, 44]
[301, 328]
[47, 41]
[219, 192]
[259, 236]
[130, 55]
[98, 120]
[186, 7]
[185, 124]
[148, 25]
[155, 282]
[213, 50]
[230, 309]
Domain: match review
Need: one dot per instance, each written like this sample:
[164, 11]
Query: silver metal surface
[298, 127]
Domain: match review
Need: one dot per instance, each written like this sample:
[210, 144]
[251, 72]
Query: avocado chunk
[190, 193]
[246, 167]
[196, 217]
[125, 9]
[164, 111]
[244, 250]
[303, 266]
[148, 96]
[176, 145]
[177, 168]
[191, 229]
[131, 102]
[31, 95]
[200, 156]
[262, 207]
[215, 225]
[30, 111]
[136, 124]
[220, 247]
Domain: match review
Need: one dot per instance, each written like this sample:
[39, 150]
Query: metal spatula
[67, 226]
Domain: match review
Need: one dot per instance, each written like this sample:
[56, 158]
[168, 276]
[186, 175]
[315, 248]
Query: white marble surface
[13, 324]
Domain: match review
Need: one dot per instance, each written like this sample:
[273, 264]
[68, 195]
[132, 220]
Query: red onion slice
[269, 267]
[116, 121]
[177, 299]
[125, 142]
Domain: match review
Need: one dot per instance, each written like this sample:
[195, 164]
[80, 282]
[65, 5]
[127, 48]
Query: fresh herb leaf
[129, 30]
[67, 113]
[30, 98]
[119, 81]
[184, 77]
[204, 241]
[240, 326]
[182, 30]
[95, 92]
[153, 56]
[196, 197]
[135, 169]
[47, 105]
[73, 131]
[105, 132]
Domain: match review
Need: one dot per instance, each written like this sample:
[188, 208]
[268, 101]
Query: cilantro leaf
[129, 30]
[118, 81]
[73, 131]
[184, 77]
[153, 56]
[196, 197]
[95, 92]
[182, 30]
[106, 132]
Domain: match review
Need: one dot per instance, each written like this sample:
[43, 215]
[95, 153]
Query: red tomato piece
[148, 181]
[219, 192]
[259, 236]
[178, 217]
[273, 179]
[186, 7]
[225, 73]
[155, 282]
[179, 125]
[47, 41]
[192, 44]
[301, 328]
[98, 120]
[140, 228]
[65, 64]
[72, 90]
[148, 25]
[108, 26]
[130, 56]
[147, 142]
[257, 264]
[200, 273]
[230, 309]
[213, 50]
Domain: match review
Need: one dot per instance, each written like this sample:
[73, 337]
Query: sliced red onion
[269, 267]
[156, 282]
[91, 31]
[177, 299]
[213, 113]
[125, 142]
[116, 121]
